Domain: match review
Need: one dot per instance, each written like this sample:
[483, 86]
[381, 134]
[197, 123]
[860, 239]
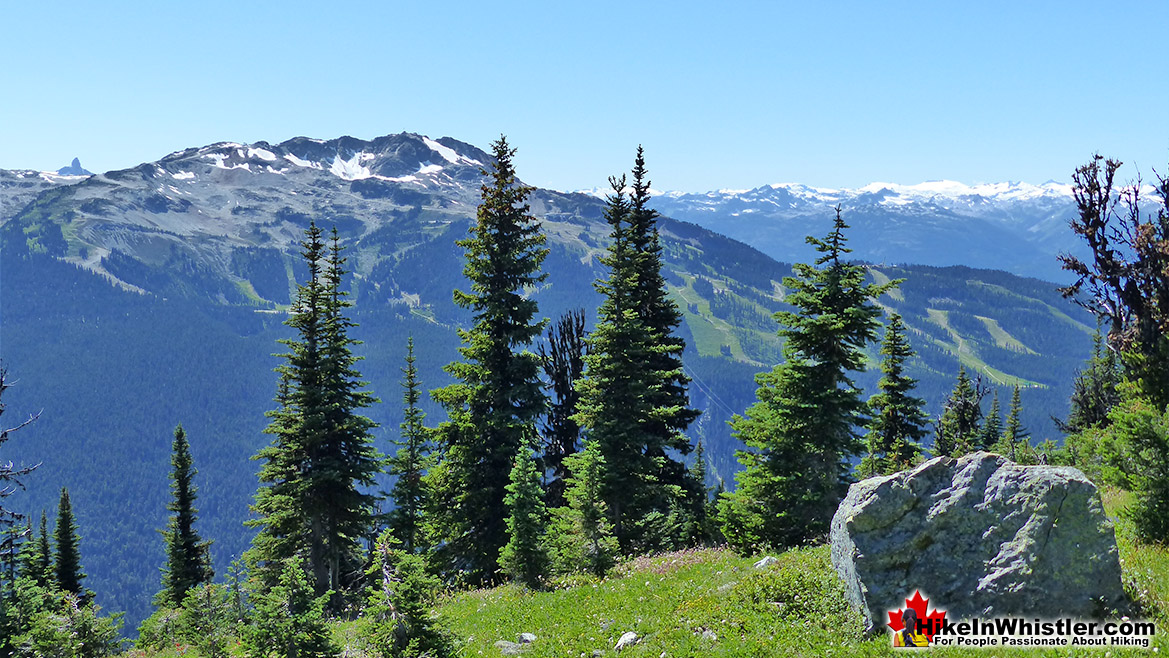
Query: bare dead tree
[1127, 277]
[10, 474]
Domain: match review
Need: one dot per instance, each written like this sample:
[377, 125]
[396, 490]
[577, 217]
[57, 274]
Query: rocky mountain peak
[74, 169]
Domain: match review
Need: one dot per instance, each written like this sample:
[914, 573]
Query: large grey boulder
[978, 536]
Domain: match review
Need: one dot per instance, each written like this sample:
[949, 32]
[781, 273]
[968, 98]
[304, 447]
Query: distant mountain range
[1015, 227]
[137, 299]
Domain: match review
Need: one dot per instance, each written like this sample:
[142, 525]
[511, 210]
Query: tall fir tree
[498, 398]
[188, 558]
[897, 421]
[956, 431]
[562, 358]
[801, 433]
[67, 552]
[634, 399]
[670, 398]
[321, 461]
[992, 427]
[615, 405]
[409, 463]
[525, 556]
[1016, 440]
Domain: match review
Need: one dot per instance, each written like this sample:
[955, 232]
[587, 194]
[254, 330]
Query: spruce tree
[525, 556]
[289, 619]
[1016, 440]
[698, 500]
[801, 432]
[409, 463]
[562, 358]
[494, 405]
[634, 399]
[616, 405]
[583, 532]
[67, 555]
[36, 558]
[670, 399]
[956, 432]
[396, 621]
[188, 559]
[992, 428]
[897, 421]
[321, 460]
[1094, 392]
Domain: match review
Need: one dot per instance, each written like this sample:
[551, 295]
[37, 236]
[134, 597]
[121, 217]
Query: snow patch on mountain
[302, 163]
[263, 154]
[448, 153]
[350, 169]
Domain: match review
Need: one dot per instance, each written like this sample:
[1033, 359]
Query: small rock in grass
[710, 635]
[510, 648]
[627, 640]
[766, 562]
[527, 638]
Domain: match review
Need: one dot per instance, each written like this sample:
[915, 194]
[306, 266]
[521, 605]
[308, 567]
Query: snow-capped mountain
[1017, 227]
[18, 187]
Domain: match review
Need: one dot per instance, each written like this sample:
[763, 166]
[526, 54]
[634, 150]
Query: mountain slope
[138, 299]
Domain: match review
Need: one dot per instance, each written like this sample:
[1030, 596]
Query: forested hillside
[123, 316]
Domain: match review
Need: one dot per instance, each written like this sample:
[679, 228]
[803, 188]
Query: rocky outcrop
[979, 536]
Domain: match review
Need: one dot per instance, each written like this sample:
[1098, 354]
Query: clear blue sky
[823, 93]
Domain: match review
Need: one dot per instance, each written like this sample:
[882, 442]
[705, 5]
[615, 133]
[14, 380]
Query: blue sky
[832, 94]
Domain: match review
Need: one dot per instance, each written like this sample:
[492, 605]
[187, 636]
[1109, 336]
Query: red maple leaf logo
[928, 623]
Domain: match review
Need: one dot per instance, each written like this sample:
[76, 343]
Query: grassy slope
[791, 609]
[670, 600]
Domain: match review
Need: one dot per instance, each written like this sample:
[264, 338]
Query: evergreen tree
[801, 432]
[494, 405]
[583, 532]
[67, 555]
[634, 399]
[409, 463]
[525, 556]
[897, 421]
[396, 622]
[289, 621]
[15, 546]
[957, 429]
[992, 427]
[698, 499]
[1016, 443]
[562, 358]
[35, 560]
[615, 405]
[1094, 391]
[321, 459]
[188, 560]
[670, 400]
